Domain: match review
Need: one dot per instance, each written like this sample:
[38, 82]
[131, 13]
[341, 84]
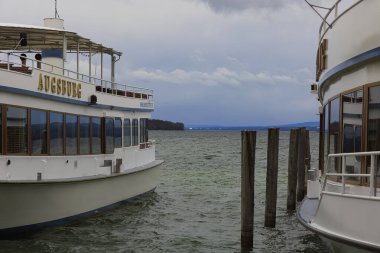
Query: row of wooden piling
[298, 164]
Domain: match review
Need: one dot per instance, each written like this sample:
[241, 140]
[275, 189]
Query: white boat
[342, 204]
[71, 144]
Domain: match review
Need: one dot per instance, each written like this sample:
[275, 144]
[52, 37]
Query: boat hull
[31, 206]
[340, 232]
[338, 247]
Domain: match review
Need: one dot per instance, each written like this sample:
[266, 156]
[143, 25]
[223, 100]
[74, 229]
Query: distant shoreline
[156, 124]
[258, 130]
[311, 126]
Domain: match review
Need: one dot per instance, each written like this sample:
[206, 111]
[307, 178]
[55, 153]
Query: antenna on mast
[56, 11]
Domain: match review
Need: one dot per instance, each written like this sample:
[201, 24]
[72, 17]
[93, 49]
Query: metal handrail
[148, 144]
[323, 29]
[90, 79]
[343, 174]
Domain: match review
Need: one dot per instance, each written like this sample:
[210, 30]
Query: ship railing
[148, 144]
[372, 175]
[101, 85]
[339, 9]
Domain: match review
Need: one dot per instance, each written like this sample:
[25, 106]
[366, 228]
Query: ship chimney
[56, 23]
[55, 56]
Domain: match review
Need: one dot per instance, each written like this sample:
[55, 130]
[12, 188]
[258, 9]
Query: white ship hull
[29, 206]
[345, 222]
[337, 247]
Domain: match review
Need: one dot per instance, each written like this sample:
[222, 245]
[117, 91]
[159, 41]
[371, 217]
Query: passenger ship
[342, 205]
[72, 144]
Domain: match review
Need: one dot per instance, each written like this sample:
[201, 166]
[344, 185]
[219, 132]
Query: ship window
[143, 131]
[118, 133]
[374, 119]
[352, 125]
[127, 132]
[348, 140]
[373, 131]
[17, 130]
[135, 132]
[109, 135]
[56, 133]
[326, 132]
[358, 139]
[84, 132]
[71, 134]
[96, 133]
[38, 121]
[1, 128]
[334, 143]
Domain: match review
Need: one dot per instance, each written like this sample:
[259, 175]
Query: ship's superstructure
[71, 144]
[344, 209]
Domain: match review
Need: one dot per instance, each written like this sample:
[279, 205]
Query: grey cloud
[237, 68]
[218, 77]
[240, 5]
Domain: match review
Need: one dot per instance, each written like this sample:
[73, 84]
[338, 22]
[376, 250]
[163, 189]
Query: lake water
[195, 208]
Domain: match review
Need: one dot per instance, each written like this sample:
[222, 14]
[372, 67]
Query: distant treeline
[156, 124]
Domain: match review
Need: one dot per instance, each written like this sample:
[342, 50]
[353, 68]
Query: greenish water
[196, 206]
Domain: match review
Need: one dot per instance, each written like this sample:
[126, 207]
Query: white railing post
[343, 174]
[375, 177]
[372, 177]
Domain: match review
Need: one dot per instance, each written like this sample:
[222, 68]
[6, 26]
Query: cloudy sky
[224, 62]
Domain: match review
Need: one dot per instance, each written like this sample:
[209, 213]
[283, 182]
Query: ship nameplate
[59, 86]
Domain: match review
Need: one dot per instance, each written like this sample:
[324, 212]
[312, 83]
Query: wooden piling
[292, 169]
[271, 182]
[248, 149]
[301, 189]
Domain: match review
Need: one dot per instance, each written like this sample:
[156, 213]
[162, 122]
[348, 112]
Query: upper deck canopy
[40, 38]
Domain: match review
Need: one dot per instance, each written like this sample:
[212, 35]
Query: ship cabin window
[334, 136]
[373, 142]
[84, 131]
[109, 135]
[17, 130]
[38, 125]
[143, 131]
[349, 138]
[71, 134]
[352, 129]
[373, 129]
[1, 128]
[135, 132]
[96, 134]
[127, 132]
[40, 132]
[56, 133]
[326, 131]
[118, 133]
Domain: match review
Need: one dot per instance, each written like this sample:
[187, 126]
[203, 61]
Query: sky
[209, 62]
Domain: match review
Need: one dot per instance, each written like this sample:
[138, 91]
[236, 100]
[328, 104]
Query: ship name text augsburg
[59, 86]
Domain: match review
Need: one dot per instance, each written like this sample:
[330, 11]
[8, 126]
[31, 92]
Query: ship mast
[56, 11]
